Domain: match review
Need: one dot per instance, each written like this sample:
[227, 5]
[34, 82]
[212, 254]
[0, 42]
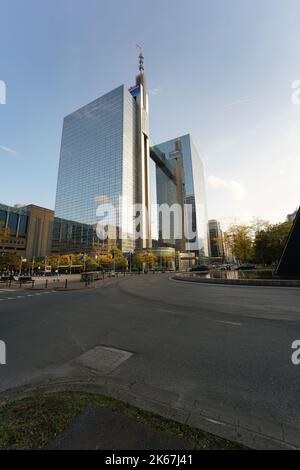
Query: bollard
[66, 283]
[46, 284]
[20, 285]
[32, 284]
[86, 283]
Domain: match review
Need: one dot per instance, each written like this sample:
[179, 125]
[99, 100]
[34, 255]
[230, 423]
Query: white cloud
[236, 189]
[8, 150]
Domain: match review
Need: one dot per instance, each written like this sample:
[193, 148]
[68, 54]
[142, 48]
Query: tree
[119, 261]
[258, 224]
[105, 261]
[39, 263]
[10, 261]
[138, 259]
[240, 239]
[4, 234]
[148, 258]
[151, 259]
[270, 242]
[90, 263]
[54, 261]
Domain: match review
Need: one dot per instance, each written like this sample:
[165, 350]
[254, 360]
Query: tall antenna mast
[141, 59]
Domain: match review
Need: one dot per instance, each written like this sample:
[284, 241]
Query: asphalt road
[228, 345]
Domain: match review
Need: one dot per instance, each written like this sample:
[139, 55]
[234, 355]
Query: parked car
[225, 267]
[246, 266]
[200, 268]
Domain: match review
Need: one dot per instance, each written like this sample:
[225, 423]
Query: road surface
[227, 345]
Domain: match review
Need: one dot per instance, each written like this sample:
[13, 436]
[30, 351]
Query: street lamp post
[114, 255]
[32, 265]
[20, 270]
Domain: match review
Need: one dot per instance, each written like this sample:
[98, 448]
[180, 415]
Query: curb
[249, 431]
[241, 282]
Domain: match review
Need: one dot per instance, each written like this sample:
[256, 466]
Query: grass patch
[32, 423]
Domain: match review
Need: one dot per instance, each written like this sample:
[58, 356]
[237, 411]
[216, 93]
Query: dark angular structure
[290, 259]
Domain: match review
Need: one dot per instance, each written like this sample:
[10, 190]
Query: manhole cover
[103, 358]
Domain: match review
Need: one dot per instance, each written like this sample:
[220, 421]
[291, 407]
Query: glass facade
[180, 179]
[215, 239]
[104, 159]
[29, 230]
[15, 219]
[99, 149]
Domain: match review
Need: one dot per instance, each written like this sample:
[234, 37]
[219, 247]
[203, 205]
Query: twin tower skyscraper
[110, 177]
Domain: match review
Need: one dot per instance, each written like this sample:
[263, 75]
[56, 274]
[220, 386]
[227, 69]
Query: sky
[221, 70]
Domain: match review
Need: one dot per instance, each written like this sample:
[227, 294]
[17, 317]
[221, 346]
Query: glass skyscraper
[97, 165]
[105, 155]
[180, 180]
[104, 159]
[216, 243]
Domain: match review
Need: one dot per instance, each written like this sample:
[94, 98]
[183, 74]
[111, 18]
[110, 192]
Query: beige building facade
[26, 230]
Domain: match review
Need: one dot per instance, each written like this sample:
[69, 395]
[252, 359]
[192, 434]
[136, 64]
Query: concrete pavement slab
[103, 359]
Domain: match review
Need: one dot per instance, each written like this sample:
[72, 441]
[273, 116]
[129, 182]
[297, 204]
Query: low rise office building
[26, 230]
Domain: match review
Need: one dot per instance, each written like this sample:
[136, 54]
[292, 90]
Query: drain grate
[103, 359]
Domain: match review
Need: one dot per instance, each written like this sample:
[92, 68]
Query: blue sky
[221, 70]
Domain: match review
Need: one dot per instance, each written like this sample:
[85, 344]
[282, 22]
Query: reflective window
[13, 222]
[97, 164]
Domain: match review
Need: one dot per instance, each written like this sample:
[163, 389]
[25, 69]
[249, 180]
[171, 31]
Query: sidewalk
[245, 429]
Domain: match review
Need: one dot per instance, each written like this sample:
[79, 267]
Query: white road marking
[27, 295]
[230, 323]
[214, 421]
